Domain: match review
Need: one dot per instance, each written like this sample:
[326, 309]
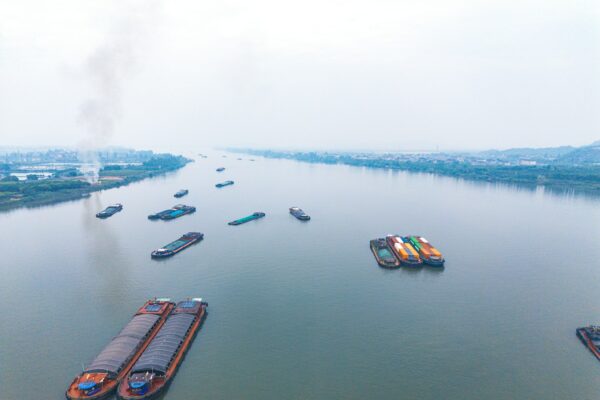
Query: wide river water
[301, 310]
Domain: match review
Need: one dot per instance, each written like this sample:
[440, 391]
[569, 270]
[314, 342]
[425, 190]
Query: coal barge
[299, 213]
[252, 217]
[158, 364]
[175, 247]
[175, 212]
[110, 211]
[383, 253]
[101, 378]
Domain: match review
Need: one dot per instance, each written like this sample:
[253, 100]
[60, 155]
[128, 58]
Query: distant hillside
[586, 155]
[563, 155]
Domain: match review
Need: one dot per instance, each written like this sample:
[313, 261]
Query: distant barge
[172, 213]
[429, 254]
[299, 213]
[404, 251]
[110, 211]
[590, 337]
[220, 169]
[223, 184]
[157, 365]
[100, 379]
[383, 253]
[175, 247]
[252, 217]
[181, 193]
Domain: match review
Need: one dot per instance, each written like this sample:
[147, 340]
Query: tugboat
[175, 212]
[157, 366]
[110, 211]
[220, 169]
[590, 337]
[249, 218]
[383, 253]
[175, 247]
[181, 193]
[298, 213]
[223, 184]
[100, 379]
[404, 251]
[429, 254]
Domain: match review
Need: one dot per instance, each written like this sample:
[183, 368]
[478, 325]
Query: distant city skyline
[355, 75]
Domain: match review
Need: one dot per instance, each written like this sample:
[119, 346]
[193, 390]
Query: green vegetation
[70, 184]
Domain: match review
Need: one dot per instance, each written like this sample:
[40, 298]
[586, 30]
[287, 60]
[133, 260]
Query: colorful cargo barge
[175, 247]
[384, 254]
[158, 364]
[429, 254]
[101, 378]
[252, 217]
[175, 212]
[404, 251]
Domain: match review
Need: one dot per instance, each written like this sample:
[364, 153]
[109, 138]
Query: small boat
[383, 253]
[174, 212]
[298, 213]
[223, 184]
[100, 379]
[590, 337]
[404, 251]
[175, 247]
[429, 254]
[249, 218]
[110, 211]
[220, 169]
[181, 193]
[154, 370]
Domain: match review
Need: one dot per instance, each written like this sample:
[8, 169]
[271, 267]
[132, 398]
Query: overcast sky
[323, 74]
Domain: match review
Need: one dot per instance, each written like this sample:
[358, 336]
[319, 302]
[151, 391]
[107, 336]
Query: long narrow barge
[175, 247]
[110, 211]
[383, 253]
[252, 217]
[158, 364]
[101, 378]
[429, 254]
[590, 337]
[404, 251]
[223, 184]
[176, 211]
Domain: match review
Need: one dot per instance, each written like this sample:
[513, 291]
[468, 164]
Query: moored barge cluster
[394, 251]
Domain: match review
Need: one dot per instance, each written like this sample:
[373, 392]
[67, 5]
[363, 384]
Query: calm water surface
[301, 310]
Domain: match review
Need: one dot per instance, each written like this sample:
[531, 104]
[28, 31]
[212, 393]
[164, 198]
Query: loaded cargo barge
[590, 337]
[175, 247]
[154, 370]
[101, 378]
[223, 184]
[383, 253]
[404, 251]
[172, 213]
[429, 254]
[252, 217]
[110, 211]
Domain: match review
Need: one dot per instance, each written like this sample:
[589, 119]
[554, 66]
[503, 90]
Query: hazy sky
[395, 75]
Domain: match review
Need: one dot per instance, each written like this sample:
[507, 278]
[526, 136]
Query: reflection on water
[301, 310]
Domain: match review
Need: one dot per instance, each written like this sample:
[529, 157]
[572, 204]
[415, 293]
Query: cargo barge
[110, 211]
[154, 370]
[220, 169]
[590, 337]
[172, 213]
[175, 247]
[181, 193]
[383, 253]
[223, 184]
[404, 251]
[101, 378]
[299, 213]
[429, 254]
[252, 217]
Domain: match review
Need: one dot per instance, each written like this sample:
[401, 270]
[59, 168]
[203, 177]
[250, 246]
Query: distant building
[528, 163]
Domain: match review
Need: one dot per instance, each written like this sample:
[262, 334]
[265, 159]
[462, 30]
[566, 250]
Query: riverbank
[35, 193]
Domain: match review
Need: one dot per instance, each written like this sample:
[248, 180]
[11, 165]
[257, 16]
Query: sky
[315, 74]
